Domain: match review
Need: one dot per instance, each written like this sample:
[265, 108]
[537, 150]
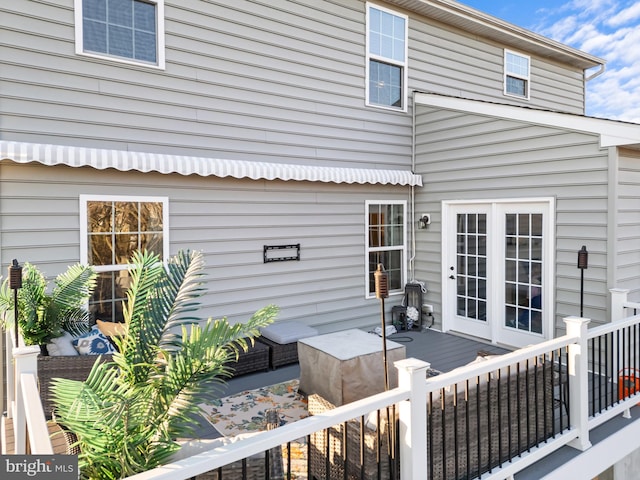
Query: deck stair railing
[23, 407]
[489, 419]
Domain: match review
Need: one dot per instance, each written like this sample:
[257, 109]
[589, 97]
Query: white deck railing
[410, 397]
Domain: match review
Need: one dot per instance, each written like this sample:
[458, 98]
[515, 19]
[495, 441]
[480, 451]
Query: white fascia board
[612, 133]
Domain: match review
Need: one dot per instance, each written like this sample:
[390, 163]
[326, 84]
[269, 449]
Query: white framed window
[111, 229]
[129, 31]
[386, 235]
[386, 62]
[517, 72]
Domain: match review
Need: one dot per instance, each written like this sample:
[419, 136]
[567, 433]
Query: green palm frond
[128, 412]
[44, 316]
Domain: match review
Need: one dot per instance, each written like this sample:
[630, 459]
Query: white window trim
[367, 249]
[84, 246]
[527, 78]
[404, 65]
[160, 64]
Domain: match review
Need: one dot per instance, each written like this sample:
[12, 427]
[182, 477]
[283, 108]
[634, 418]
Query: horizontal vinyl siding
[260, 80]
[229, 221]
[244, 80]
[449, 61]
[472, 157]
[628, 224]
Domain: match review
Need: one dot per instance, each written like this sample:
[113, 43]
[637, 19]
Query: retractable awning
[101, 159]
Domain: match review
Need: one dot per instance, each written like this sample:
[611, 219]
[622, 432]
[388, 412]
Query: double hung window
[112, 229]
[124, 30]
[516, 74]
[386, 58]
[386, 243]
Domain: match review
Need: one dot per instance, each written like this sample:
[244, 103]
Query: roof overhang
[612, 133]
[102, 159]
[483, 25]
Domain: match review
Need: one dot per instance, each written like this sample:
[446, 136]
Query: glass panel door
[471, 260]
[523, 272]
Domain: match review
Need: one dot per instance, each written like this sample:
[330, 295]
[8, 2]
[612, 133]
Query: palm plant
[43, 316]
[128, 412]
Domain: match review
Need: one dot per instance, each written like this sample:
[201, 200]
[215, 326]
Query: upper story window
[386, 243]
[516, 74]
[111, 229]
[386, 58]
[130, 31]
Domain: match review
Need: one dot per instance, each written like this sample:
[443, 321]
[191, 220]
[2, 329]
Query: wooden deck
[57, 440]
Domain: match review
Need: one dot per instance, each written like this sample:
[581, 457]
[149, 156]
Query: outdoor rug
[245, 411]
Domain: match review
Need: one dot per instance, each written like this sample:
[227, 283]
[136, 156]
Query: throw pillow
[111, 329]
[62, 346]
[93, 343]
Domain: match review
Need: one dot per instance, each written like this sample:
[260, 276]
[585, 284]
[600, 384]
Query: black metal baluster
[467, 429]
[362, 427]
[443, 438]
[518, 408]
[430, 434]
[536, 391]
[509, 412]
[478, 426]
[489, 425]
[455, 429]
[499, 419]
[345, 448]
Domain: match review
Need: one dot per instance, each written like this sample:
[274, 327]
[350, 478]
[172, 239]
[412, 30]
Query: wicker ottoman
[255, 359]
[282, 339]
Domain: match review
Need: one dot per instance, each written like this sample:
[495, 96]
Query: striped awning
[187, 165]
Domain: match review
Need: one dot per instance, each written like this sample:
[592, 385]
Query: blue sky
[608, 29]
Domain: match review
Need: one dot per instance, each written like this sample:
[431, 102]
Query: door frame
[496, 331]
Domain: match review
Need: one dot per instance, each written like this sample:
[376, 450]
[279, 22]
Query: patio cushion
[287, 332]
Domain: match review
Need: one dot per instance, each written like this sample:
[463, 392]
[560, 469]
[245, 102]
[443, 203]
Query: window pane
[517, 86]
[100, 249]
[121, 41]
[145, 16]
[518, 65]
[120, 12]
[94, 36]
[145, 46]
[124, 28]
[385, 84]
[95, 10]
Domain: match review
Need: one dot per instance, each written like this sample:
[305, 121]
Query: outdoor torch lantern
[15, 283]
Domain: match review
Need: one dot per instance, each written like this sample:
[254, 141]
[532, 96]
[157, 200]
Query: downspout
[595, 74]
[413, 193]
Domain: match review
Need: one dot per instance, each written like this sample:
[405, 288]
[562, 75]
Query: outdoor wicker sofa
[77, 367]
[468, 432]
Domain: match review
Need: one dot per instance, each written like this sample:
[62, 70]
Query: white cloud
[626, 15]
[608, 29]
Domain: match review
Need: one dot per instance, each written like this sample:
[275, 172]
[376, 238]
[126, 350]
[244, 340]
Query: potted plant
[129, 412]
[43, 316]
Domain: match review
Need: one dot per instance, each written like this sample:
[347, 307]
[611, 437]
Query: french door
[497, 266]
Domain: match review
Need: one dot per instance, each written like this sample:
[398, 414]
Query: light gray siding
[271, 81]
[452, 62]
[627, 258]
[229, 221]
[463, 156]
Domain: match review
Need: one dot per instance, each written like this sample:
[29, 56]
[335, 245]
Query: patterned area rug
[245, 412]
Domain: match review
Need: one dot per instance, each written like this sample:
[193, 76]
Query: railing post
[618, 299]
[579, 381]
[412, 375]
[25, 361]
